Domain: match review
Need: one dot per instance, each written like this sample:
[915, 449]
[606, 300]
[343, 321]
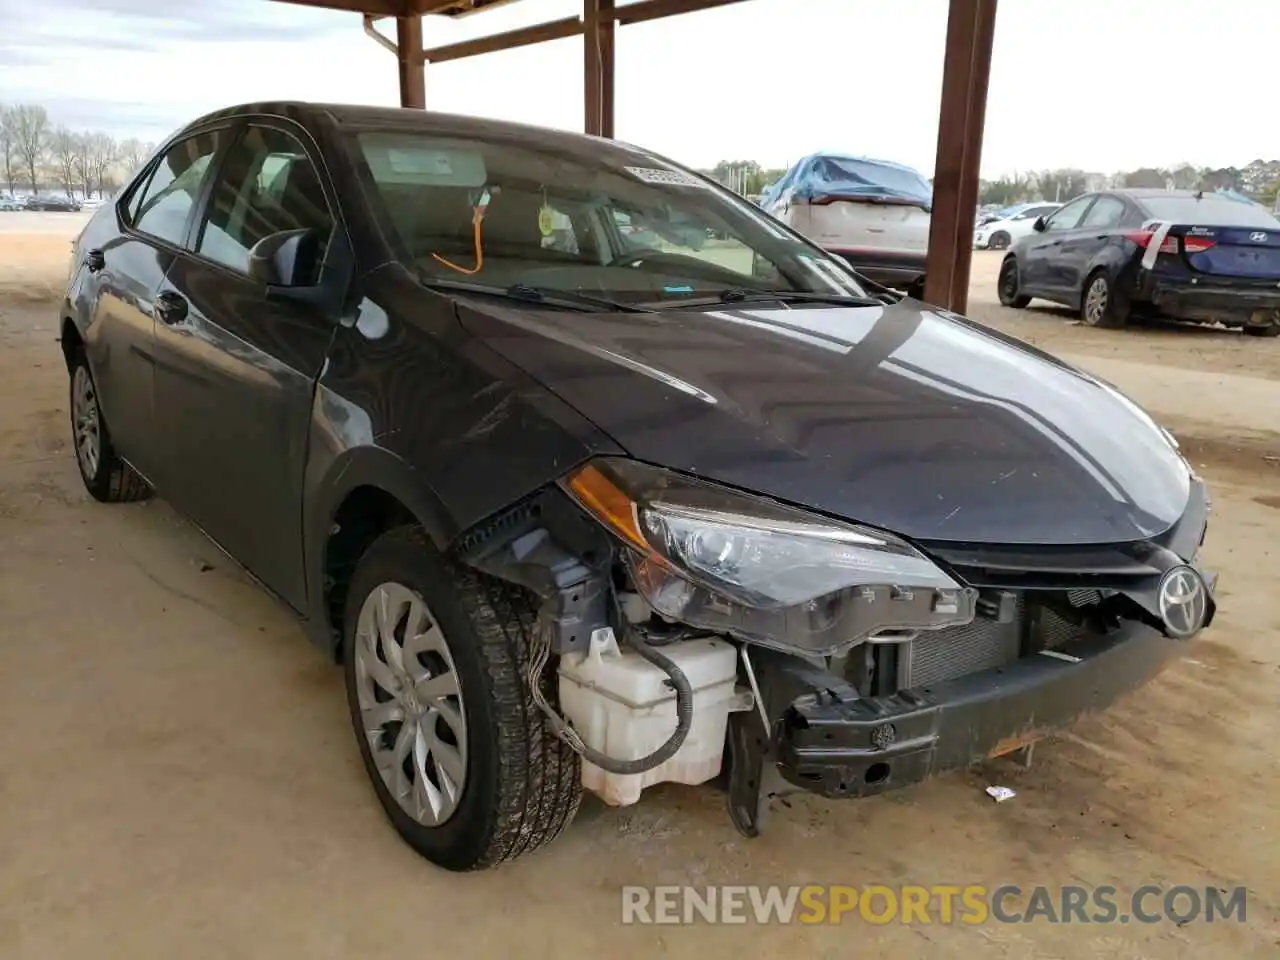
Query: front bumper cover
[837, 744]
[824, 737]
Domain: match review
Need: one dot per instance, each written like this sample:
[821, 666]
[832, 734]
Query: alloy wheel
[87, 422]
[411, 703]
[1095, 301]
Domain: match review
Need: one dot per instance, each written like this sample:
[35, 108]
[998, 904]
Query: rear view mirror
[285, 259]
[1040, 224]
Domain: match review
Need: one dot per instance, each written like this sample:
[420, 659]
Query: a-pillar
[966, 70]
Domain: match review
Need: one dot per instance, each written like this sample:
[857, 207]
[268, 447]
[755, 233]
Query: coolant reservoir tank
[622, 705]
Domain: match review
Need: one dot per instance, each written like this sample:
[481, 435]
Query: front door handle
[95, 260]
[171, 308]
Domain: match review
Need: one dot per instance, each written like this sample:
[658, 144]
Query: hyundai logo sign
[1258, 237]
[1184, 602]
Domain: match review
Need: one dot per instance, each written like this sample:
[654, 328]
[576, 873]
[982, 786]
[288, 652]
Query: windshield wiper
[528, 293]
[741, 295]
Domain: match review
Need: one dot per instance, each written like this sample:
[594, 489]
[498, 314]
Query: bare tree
[8, 145]
[31, 130]
[102, 153]
[65, 151]
[133, 154]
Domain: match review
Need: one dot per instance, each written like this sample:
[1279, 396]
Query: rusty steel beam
[656, 9]
[523, 37]
[412, 68]
[598, 60]
[966, 70]
[378, 8]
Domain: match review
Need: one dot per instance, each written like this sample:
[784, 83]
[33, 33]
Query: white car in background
[1000, 232]
[873, 214]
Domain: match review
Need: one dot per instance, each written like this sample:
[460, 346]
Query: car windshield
[1210, 211]
[599, 218]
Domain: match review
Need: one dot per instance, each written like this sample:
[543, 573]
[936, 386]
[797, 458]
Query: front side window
[266, 185]
[1068, 218]
[162, 207]
[601, 219]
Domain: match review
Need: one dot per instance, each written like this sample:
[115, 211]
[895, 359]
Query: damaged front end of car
[691, 624]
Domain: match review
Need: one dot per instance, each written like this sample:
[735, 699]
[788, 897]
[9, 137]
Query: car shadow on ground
[1140, 325]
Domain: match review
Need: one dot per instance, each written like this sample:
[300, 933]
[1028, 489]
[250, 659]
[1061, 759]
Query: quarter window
[266, 185]
[165, 203]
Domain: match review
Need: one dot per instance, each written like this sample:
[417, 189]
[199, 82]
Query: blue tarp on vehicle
[858, 178]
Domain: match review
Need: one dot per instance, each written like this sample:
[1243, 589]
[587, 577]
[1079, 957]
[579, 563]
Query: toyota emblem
[1258, 237]
[1184, 602]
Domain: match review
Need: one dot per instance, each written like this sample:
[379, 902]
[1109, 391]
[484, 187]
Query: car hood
[898, 416]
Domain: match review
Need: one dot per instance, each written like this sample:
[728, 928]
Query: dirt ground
[178, 778]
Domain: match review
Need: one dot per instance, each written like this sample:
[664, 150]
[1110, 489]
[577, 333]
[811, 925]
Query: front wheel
[1009, 286]
[999, 241]
[435, 659]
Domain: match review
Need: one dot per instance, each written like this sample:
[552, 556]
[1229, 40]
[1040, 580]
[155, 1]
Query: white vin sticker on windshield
[675, 178]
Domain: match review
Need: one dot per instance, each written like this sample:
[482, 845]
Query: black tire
[1008, 287]
[998, 241]
[523, 785]
[1113, 310]
[1271, 329]
[108, 479]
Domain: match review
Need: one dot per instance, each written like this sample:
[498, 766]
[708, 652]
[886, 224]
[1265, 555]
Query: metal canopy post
[597, 43]
[413, 72]
[966, 71]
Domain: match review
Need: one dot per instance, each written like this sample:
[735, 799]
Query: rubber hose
[684, 717]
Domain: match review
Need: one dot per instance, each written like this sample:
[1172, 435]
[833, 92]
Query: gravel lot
[179, 777]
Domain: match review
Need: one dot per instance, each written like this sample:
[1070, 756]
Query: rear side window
[267, 184]
[162, 207]
[1106, 212]
[1209, 210]
[1068, 217]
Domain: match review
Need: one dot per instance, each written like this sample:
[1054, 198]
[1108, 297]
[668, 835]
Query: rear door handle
[171, 308]
[95, 260]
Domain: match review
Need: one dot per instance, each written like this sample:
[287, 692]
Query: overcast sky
[1104, 85]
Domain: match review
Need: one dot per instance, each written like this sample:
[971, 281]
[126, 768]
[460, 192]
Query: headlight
[745, 565]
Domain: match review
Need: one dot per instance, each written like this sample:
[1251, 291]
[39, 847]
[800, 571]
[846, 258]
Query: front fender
[343, 457]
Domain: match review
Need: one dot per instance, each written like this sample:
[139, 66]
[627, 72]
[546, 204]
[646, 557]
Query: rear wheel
[435, 659]
[1271, 329]
[999, 241]
[105, 475]
[1102, 305]
[1008, 286]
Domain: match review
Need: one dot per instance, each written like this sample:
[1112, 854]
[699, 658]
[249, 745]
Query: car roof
[1142, 193]
[357, 116]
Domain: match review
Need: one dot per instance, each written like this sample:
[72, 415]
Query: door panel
[234, 383]
[236, 364]
[1044, 273]
[1082, 245]
[119, 345]
[121, 332]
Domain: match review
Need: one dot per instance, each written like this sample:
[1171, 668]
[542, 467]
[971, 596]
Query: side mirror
[285, 259]
[1040, 224]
